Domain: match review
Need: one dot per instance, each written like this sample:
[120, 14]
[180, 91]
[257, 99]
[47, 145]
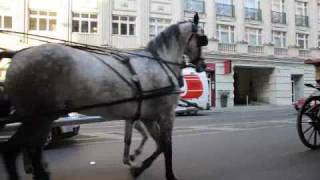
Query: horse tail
[7, 54]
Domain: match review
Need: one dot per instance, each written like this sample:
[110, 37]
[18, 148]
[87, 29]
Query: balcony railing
[226, 10]
[278, 17]
[224, 47]
[304, 52]
[280, 51]
[195, 6]
[255, 50]
[302, 20]
[253, 14]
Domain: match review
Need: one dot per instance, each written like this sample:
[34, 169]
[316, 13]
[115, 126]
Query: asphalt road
[238, 145]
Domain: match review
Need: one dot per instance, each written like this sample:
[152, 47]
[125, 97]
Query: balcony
[228, 48]
[225, 10]
[302, 20]
[304, 52]
[280, 51]
[253, 14]
[258, 50]
[278, 17]
[194, 6]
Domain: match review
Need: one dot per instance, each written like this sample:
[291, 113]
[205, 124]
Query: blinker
[202, 40]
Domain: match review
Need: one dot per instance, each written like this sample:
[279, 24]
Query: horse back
[52, 76]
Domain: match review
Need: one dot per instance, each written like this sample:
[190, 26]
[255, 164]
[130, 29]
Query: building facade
[255, 53]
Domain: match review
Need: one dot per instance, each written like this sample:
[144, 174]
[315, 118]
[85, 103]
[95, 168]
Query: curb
[251, 108]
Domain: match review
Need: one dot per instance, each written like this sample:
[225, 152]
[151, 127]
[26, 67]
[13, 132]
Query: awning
[312, 61]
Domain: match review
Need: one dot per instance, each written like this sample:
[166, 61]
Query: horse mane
[164, 38]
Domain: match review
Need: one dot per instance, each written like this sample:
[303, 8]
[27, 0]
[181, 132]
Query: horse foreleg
[11, 149]
[127, 141]
[35, 148]
[38, 166]
[9, 159]
[138, 126]
[37, 135]
[153, 129]
[166, 145]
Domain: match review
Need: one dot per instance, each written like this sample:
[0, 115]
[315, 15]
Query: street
[256, 144]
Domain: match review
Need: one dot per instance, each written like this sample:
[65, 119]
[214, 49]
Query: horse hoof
[135, 171]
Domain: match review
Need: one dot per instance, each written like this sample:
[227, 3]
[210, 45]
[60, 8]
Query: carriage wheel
[308, 123]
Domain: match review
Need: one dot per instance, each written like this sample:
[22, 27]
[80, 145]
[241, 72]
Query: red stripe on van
[194, 87]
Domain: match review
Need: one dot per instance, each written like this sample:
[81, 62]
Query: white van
[195, 92]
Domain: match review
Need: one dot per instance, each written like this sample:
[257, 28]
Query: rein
[135, 83]
[86, 47]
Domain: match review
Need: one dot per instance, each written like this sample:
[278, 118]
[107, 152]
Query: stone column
[242, 48]
[177, 10]
[313, 23]
[290, 8]
[240, 17]
[211, 18]
[266, 19]
[143, 22]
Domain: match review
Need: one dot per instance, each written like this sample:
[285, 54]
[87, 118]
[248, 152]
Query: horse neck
[171, 52]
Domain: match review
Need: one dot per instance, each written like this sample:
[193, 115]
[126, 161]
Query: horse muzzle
[201, 66]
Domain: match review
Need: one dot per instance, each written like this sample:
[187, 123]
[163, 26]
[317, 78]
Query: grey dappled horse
[47, 81]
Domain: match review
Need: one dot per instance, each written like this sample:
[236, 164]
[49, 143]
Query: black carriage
[308, 121]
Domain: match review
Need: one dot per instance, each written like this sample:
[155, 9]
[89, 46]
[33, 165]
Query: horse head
[195, 41]
[183, 38]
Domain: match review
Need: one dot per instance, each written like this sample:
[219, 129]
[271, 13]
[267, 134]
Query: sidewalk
[244, 108]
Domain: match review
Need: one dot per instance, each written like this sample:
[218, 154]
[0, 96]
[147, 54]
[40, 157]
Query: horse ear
[196, 19]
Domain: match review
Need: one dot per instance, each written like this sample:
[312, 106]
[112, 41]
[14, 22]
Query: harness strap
[157, 93]
[139, 91]
[114, 70]
[164, 64]
[135, 79]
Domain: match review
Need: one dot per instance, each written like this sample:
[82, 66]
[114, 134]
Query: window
[302, 40]
[278, 15]
[301, 14]
[319, 13]
[278, 5]
[253, 36]
[279, 39]
[252, 10]
[301, 8]
[5, 22]
[225, 34]
[194, 5]
[157, 25]
[42, 20]
[230, 2]
[225, 8]
[123, 25]
[254, 4]
[84, 22]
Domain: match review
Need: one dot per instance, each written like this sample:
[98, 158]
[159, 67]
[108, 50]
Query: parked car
[298, 103]
[61, 132]
[56, 133]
